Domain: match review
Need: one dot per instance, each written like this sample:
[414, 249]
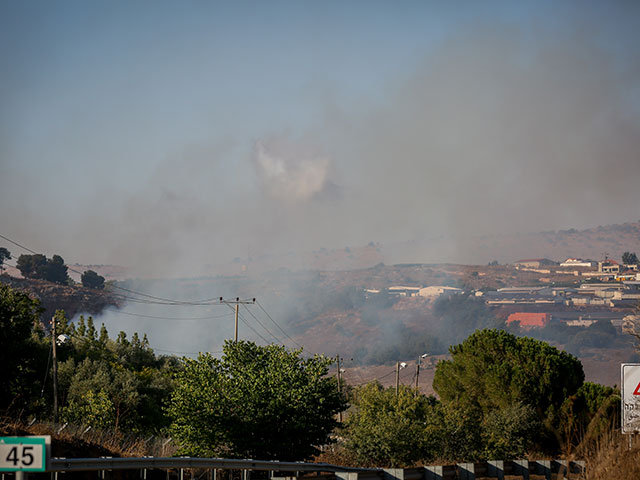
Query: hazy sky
[154, 133]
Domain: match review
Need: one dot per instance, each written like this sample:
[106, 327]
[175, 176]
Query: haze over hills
[317, 298]
[592, 243]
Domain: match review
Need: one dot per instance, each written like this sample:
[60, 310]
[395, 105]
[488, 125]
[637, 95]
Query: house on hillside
[401, 291]
[438, 291]
[528, 320]
[535, 263]
[578, 262]
[608, 266]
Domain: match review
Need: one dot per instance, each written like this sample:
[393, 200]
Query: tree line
[38, 266]
[500, 396]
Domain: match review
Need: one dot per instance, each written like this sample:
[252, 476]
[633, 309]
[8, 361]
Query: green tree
[91, 279]
[40, 267]
[4, 255]
[386, 429]
[588, 413]
[494, 370]
[629, 258]
[136, 383]
[263, 402]
[24, 351]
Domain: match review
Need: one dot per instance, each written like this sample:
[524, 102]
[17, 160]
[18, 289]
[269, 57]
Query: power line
[276, 324]
[164, 301]
[247, 324]
[120, 312]
[262, 325]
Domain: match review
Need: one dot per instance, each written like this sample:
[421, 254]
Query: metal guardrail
[461, 471]
[139, 463]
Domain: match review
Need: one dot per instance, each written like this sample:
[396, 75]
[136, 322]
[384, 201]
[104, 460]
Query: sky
[164, 135]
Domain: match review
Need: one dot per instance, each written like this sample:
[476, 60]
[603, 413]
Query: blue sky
[123, 121]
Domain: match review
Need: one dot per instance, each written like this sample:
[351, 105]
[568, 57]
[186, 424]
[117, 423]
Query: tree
[4, 255]
[263, 402]
[91, 279]
[40, 267]
[23, 354]
[32, 266]
[387, 429]
[493, 369]
[629, 258]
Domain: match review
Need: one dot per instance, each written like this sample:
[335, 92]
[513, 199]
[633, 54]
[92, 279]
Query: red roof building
[529, 320]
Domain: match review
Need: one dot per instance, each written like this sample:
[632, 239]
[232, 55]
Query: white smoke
[288, 174]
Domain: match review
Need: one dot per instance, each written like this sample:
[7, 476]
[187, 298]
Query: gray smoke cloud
[495, 131]
[287, 173]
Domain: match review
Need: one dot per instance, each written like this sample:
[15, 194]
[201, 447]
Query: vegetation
[389, 428]
[4, 255]
[629, 258]
[91, 279]
[255, 402]
[23, 351]
[38, 266]
[500, 396]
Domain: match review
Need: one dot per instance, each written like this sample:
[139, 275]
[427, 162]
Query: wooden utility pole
[55, 370]
[237, 302]
[397, 377]
[417, 372]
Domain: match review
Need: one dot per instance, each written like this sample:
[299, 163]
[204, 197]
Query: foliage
[587, 414]
[91, 279]
[127, 372]
[389, 429]
[23, 349]
[494, 370]
[40, 267]
[509, 432]
[4, 255]
[629, 258]
[254, 402]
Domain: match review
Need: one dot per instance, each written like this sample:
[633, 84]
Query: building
[529, 320]
[401, 291]
[608, 266]
[437, 291]
[535, 263]
[578, 262]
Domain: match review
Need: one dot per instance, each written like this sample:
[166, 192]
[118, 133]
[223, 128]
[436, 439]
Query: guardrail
[524, 469]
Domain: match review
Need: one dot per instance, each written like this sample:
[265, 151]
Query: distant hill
[593, 243]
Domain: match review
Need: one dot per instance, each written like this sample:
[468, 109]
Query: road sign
[630, 397]
[26, 454]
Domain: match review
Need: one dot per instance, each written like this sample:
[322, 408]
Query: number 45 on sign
[26, 454]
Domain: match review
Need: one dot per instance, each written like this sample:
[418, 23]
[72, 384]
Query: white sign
[27, 454]
[630, 397]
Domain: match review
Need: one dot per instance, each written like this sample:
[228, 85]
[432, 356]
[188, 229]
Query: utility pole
[399, 366]
[55, 370]
[237, 302]
[339, 385]
[417, 373]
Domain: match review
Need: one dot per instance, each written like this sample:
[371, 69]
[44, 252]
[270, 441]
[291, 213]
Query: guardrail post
[346, 476]
[542, 467]
[433, 472]
[495, 468]
[578, 466]
[466, 471]
[393, 474]
[520, 468]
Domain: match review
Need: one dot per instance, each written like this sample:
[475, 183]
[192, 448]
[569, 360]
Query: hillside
[72, 299]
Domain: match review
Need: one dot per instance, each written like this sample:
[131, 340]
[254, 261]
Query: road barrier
[174, 468]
